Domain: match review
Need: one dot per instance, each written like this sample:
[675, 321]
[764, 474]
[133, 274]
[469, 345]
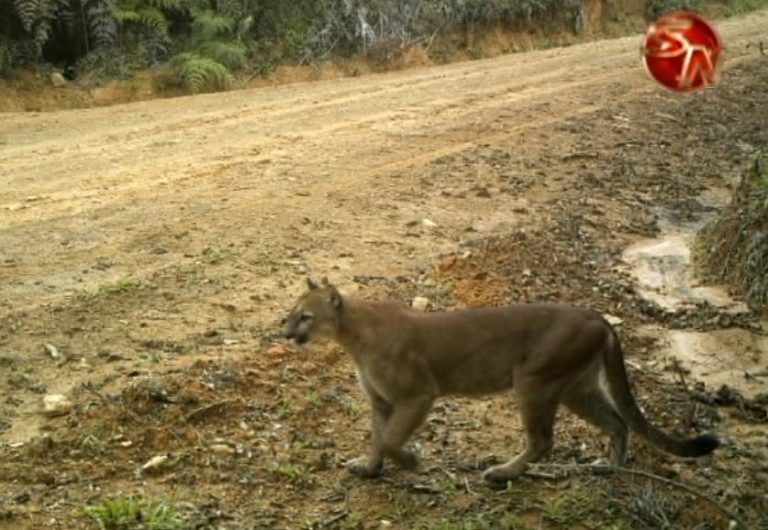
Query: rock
[276, 350]
[52, 351]
[56, 405]
[58, 80]
[613, 320]
[420, 303]
[40, 446]
[483, 192]
[428, 223]
[222, 448]
[155, 462]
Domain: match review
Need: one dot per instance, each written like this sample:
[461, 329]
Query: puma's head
[316, 313]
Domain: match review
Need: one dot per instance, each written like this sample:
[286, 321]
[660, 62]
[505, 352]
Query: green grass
[738, 7]
[213, 256]
[136, 513]
[292, 472]
[109, 289]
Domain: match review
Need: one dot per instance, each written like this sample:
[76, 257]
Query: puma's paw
[500, 475]
[407, 460]
[361, 468]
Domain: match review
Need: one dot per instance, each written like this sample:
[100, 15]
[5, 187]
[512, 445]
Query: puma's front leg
[371, 466]
[405, 418]
[391, 428]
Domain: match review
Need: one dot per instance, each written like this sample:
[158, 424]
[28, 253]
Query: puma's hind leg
[538, 417]
[594, 406]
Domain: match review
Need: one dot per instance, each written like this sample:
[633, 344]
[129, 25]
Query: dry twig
[203, 411]
[679, 485]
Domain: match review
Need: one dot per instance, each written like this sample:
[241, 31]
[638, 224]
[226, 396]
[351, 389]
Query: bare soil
[156, 245]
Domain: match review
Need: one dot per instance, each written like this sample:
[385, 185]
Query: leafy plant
[199, 74]
[211, 52]
[135, 513]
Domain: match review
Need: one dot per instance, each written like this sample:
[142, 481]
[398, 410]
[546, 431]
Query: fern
[231, 54]
[208, 25]
[28, 12]
[101, 23]
[201, 74]
[210, 52]
[147, 16]
[37, 17]
[169, 5]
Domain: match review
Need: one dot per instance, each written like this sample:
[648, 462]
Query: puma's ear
[335, 298]
[312, 285]
[324, 281]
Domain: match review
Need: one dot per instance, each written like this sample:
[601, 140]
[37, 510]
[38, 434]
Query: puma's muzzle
[315, 315]
[296, 326]
[297, 338]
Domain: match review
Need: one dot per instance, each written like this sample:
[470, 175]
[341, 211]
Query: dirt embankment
[733, 248]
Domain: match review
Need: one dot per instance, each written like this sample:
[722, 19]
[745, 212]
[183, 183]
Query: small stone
[56, 405]
[483, 192]
[52, 351]
[222, 448]
[155, 462]
[429, 223]
[58, 80]
[613, 320]
[420, 303]
[276, 350]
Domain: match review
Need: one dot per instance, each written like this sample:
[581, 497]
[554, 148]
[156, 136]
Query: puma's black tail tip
[703, 445]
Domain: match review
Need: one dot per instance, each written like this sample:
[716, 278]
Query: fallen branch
[335, 519]
[604, 469]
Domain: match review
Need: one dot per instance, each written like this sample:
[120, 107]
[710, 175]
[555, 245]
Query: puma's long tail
[625, 401]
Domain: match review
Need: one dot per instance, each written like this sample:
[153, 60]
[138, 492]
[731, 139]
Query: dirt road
[122, 183]
[174, 231]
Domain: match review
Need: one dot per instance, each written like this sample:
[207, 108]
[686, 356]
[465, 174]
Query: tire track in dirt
[136, 165]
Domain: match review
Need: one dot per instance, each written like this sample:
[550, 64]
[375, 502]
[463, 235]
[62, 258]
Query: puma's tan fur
[548, 354]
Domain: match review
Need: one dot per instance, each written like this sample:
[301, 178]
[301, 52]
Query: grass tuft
[136, 513]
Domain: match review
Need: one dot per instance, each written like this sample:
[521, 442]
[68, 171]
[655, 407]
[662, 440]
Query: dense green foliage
[202, 42]
[205, 41]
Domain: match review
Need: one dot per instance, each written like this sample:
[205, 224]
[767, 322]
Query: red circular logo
[682, 52]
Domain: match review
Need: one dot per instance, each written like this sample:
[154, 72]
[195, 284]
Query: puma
[548, 354]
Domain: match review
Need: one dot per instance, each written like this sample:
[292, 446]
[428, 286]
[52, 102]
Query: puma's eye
[305, 318]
